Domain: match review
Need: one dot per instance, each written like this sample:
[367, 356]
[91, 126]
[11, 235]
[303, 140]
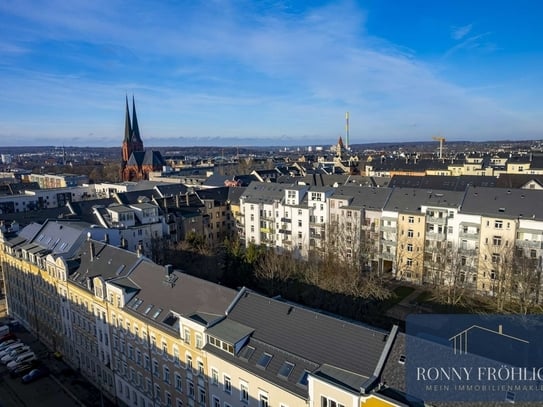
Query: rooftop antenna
[347, 130]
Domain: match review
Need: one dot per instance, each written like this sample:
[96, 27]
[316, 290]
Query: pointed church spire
[135, 127]
[127, 126]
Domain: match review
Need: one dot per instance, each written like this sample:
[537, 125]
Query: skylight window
[137, 303]
[247, 352]
[285, 370]
[157, 313]
[264, 360]
[303, 379]
[148, 309]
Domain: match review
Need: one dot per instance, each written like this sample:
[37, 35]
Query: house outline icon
[460, 340]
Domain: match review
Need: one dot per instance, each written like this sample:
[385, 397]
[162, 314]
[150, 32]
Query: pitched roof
[504, 203]
[311, 335]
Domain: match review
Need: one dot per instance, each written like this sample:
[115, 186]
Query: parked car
[14, 353]
[12, 347]
[35, 374]
[24, 368]
[7, 337]
[7, 343]
[22, 358]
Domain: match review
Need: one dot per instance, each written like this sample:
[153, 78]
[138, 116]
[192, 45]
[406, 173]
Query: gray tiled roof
[504, 203]
[364, 197]
[410, 200]
[262, 192]
[108, 262]
[310, 335]
[183, 294]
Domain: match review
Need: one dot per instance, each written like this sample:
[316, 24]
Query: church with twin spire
[136, 162]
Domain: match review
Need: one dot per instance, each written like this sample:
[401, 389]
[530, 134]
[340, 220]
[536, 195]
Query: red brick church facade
[136, 162]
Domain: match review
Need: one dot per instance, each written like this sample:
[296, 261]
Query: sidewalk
[72, 383]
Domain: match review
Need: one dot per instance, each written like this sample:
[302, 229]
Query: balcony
[388, 256]
[435, 235]
[286, 220]
[530, 244]
[469, 235]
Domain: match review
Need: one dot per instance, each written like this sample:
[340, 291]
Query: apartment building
[147, 335]
[510, 225]
[46, 181]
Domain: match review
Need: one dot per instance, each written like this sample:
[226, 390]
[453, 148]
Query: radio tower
[347, 130]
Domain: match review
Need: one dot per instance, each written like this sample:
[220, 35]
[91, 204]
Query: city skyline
[269, 73]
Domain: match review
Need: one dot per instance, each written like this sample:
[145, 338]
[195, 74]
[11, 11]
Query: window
[214, 376]
[178, 382]
[497, 241]
[201, 395]
[264, 360]
[227, 384]
[285, 370]
[157, 392]
[409, 262]
[326, 402]
[409, 247]
[495, 258]
[498, 224]
[216, 402]
[244, 392]
[200, 367]
[166, 375]
[411, 219]
[263, 400]
[165, 347]
[533, 253]
[176, 355]
[189, 361]
[155, 368]
[410, 233]
[190, 387]
[303, 379]
[199, 341]
[186, 335]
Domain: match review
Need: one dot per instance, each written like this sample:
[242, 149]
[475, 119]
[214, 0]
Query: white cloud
[457, 33]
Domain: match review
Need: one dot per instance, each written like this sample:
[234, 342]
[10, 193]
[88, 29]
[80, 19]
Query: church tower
[132, 139]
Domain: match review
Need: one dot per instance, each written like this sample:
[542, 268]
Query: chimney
[139, 249]
[124, 243]
[168, 268]
[106, 238]
[500, 329]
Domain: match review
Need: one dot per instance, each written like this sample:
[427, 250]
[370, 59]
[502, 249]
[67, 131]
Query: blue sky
[221, 72]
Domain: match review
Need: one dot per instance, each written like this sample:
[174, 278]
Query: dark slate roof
[16, 188]
[504, 203]
[258, 192]
[181, 293]
[410, 200]
[219, 194]
[153, 158]
[166, 190]
[270, 373]
[136, 158]
[108, 262]
[458, 183]
[234, 194]
[39, 216]
[364, 197]
[310, 335]
[84, 209]
[517, 180]
[127, 198]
